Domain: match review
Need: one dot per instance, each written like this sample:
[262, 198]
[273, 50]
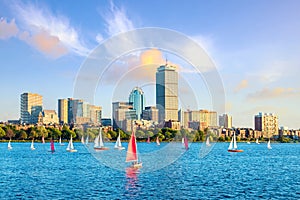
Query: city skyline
[43, 45]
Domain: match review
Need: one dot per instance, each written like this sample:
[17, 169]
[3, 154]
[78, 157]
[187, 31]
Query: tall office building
[150, 113]
[167, 93]
[137, 99]
[122, 114]
[31, 107]
[63, 111]
[267, 124]
[225, 121]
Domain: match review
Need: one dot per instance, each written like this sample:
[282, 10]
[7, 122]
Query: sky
[255, 46]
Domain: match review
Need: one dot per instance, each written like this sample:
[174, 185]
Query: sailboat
[148, 140]
[157, 141]
[82, 140]
[132, 153]
[118, 144]
[207, 142]
[269, 144]
[61, 144]
[257, 141]
[70, 147]
[87, 140]
[99, 143]
[233, 146]
[9, 147]
[182, 142]
[43, 140]
[52, 149]
[32, 145]
[186, 143]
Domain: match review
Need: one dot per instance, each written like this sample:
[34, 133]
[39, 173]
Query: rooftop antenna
[166, 60]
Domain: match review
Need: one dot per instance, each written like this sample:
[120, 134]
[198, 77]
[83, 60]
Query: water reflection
[132, 187]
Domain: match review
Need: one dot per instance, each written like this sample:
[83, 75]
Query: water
[255, 173]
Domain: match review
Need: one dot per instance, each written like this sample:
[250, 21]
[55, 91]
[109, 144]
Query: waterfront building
[121, 112]
[63, 111]
[49, 117]
[167, 93]
[150, 113]
[225, 121]
[31, 107]
[267, 123]
[198, 119]
[137, 99]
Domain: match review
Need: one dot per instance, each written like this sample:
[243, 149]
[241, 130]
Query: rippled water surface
[255, 173]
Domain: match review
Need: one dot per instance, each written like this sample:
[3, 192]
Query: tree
[113, 134]
[22, 135]
[66, 132]
[140, 134]
[10, 133]
[54, 132]
[42, 132]
[2, 132]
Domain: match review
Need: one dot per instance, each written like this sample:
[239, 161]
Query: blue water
[255, 173]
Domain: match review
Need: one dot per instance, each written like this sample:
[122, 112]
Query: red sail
[186, 145]
[52, 146]
[148, 141]
[131, 152]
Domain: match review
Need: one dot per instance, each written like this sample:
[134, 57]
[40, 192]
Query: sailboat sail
[87, 140]
[186, 144]
[234, 141]
[132, 155]
[231, 144]
[148, 140]
[9, 145]
[43, 140]
[207, 141]
[82, 140]
[118, 142]
[70, 145]
[100, 139]
[52, 146]
[182, 142]
[96, 141]
[157, 141]
[32, 146]
[257, 141]
[269, 144]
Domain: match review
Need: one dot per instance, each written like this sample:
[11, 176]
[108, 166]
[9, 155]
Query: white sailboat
[269, 144]
[32, 146]
[61, 144]
[157, 141]
[9, 147]
[87, 140]
[70, 147]
[99, 145]
[233, 146]
[118, 144]
[257, 141]
[82, 140]
[207, 142]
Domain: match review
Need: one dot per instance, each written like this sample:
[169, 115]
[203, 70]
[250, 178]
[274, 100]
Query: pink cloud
[8, 29]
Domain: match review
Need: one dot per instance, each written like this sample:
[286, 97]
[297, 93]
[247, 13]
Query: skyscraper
[31, 107]
[267, 123]
[167, 93]
[63, 111]
[225, 121]
[137, 99]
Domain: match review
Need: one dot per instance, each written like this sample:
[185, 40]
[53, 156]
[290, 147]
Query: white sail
[118, 142]
[157, 141]
[257, 141]
[82, 140]
[9, 145]
[231, 144]
[70, 145]
[32, 145]
[207, 141]
[100, 140]
[96, 141]
[234, 141]
[87, 140]
[269, 144]
[59, 140]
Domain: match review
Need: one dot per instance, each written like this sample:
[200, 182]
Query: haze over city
[254, 45]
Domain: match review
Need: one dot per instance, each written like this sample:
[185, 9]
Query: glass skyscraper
[167, 93]
[137, 99]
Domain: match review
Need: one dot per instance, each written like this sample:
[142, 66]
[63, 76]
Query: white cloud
[117, 20]
[8, 29]
[99, 38]
[39, 21]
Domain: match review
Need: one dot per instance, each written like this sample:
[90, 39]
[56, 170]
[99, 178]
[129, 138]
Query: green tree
[42, 132]
[2, 132]
[22, 135]
[140, 134]
[113, 134]
[66, 132]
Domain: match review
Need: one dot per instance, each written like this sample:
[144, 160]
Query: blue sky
[254, 44]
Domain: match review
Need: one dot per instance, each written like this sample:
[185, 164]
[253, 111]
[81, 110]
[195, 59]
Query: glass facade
[137, 99]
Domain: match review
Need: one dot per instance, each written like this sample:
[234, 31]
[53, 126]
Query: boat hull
[235, 150]
[101, 148]
[32, 148]
[120, 148]
[72, 150]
